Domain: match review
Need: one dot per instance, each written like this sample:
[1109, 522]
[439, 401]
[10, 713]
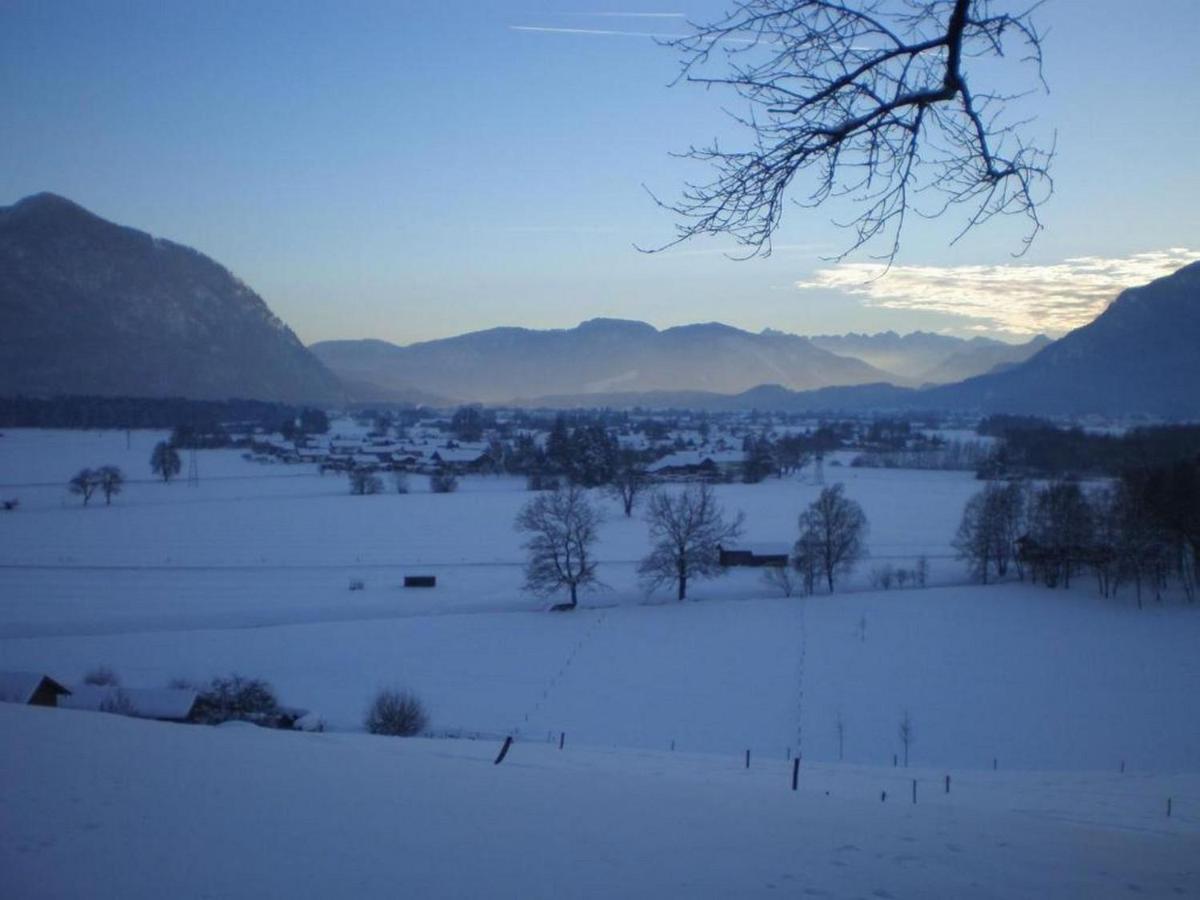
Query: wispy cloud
[560, 229]
[631, 15]
[603, 32]
[1020, 299]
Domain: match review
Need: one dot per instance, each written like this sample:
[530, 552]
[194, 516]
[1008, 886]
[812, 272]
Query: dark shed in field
[755, 555]
[30, 688]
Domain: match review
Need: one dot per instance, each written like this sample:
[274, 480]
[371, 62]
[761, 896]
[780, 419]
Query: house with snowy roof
[163, 704]
[697, 464]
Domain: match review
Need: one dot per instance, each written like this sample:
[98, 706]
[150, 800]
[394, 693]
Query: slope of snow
[107, 807]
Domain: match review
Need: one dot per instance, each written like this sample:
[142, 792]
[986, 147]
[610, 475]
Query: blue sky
[409, 171]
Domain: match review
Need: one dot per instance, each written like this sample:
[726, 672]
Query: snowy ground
[248, 572]
[148, 810]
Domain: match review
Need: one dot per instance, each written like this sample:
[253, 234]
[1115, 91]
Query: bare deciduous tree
[110, 480]
[785, 579]
[83, 485]
[833, 530]
[165, 461]
[687, 529]
[563, 525]
[629, 482]
[870, 101]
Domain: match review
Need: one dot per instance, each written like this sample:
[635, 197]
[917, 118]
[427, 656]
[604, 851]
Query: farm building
[30, 688]
[755, 555]
[164, 704]
[697, 464]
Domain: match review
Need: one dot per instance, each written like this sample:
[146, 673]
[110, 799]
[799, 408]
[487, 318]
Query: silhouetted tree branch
[870, 99]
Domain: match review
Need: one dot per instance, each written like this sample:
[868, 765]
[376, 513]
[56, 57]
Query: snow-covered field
[103, 806]
[248, 571]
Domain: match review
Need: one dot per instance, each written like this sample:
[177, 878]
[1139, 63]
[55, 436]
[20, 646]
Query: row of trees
[1143, 529]
[108, 480]
[687, 529]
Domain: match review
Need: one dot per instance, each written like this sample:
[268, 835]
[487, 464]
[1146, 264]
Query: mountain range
[90, 307]
[606, 357]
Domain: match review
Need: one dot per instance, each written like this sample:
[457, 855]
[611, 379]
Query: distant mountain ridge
[92, 308]
[922, 357]
[88, 307]
[599, 356]
[1140, 357]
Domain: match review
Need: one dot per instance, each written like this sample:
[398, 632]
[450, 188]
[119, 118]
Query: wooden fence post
[795, 772]
[503, 750]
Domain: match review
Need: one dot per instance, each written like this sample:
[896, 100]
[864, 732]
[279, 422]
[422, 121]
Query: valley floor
[1031, 700]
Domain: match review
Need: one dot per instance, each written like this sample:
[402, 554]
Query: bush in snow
[397, 713]
[882, 576]
[357, 584]
[117, 702]
[102, 676]
[443, 482]
[235, 697]
[784, 579]
[364, 482]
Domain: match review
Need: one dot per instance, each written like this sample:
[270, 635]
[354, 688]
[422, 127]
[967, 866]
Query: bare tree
[1062, 527]
[907, 735]
[806, 559]
[629, 482]
[83, 485]
[869, 100]
[973, 541]
[992, 521]
[834, 529]
[687, 529]
[110, 480]
[563, 525]
[784, 579]
[165, 461]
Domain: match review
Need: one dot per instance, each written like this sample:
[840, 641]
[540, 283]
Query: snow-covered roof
[19, 687]
[684, 458]
[458, 455]
[144, 703]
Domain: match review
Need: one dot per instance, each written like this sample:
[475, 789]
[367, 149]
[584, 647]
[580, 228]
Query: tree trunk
[574, 599]
[682, 587]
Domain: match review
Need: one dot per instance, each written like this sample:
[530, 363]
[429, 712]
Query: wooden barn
[30, 688]
[755, 555]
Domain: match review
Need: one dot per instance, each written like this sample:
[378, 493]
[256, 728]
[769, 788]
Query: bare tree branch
[870, 100]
